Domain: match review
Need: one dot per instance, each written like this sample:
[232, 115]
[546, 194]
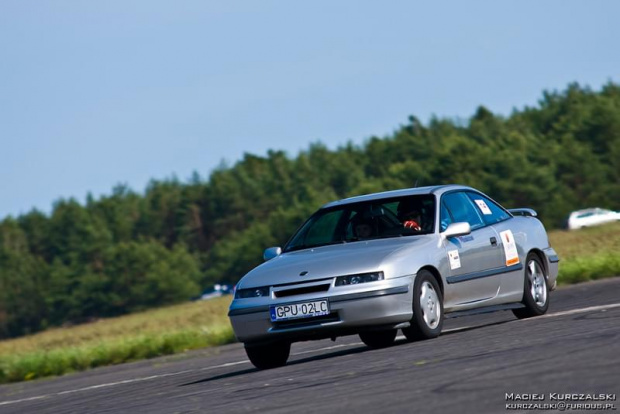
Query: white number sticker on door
[455, 259]
[510, 248]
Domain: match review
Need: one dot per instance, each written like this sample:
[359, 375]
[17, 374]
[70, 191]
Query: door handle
[493, 241]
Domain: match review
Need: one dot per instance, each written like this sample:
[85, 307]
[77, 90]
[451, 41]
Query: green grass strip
[28, 366]
[582, 269]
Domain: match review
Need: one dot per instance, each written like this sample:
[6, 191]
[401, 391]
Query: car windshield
[391, 217]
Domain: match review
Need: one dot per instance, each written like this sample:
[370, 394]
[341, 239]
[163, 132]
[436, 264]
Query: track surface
[575, 348]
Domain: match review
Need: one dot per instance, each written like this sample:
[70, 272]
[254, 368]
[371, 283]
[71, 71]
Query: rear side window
[460, 209]
[490, 211]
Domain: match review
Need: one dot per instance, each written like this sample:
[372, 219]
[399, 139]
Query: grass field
[585, 254]
[110, 341]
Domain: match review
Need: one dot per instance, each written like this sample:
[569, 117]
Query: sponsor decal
[483, 207]
[455, 259]
[510, 248]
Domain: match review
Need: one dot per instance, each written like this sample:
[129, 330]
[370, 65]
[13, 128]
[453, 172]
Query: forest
[133, 250]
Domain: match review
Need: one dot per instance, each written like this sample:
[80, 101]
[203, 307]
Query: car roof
[435, 189]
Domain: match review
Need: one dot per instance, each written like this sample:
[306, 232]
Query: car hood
[333, 260]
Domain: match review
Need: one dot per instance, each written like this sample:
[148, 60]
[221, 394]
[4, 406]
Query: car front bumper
[383, 304]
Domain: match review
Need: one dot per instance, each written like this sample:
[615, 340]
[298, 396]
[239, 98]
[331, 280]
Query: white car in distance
[591, 217]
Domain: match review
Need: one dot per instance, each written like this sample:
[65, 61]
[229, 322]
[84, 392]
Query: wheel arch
[541, 255]
[433, 270]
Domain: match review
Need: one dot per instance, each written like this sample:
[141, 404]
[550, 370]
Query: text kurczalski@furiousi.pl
[561, 401]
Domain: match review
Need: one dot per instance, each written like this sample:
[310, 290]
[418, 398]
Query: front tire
[268, 356]
[427, 318]
[535, 289]
[378, 339]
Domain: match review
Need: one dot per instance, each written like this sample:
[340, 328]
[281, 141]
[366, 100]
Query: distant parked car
[373, 264]
[216, 291]
[591, 217]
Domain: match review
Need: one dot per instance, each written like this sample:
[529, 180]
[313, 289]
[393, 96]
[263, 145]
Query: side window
[491, 212]
[446, 219]
[462, 209]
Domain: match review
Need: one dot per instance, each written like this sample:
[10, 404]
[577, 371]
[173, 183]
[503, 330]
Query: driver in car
[363, 230]
[413, 220]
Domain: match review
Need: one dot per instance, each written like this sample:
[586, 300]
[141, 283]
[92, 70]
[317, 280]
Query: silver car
[404, 259]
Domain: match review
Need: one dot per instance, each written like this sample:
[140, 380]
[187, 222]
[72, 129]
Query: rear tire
[535, 289]
[268, 356]
[427, 318]
[378, 339]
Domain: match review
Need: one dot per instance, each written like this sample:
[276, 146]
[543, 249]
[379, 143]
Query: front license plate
[299, 310]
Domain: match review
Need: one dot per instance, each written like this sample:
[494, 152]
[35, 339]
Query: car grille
[300, 323]
[301, 290]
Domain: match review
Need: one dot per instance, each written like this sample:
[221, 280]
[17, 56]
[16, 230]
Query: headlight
[252, 293]
[361, 278]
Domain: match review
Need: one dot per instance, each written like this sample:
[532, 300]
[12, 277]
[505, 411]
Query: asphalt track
[575, 348]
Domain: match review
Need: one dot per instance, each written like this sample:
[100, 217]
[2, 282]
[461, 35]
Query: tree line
[129, 251]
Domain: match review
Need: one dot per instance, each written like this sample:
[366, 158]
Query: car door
[474, 258]
[508, 244]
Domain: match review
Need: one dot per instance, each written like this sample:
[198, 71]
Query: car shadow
[472, 328]
[334, 354]
[350, 351]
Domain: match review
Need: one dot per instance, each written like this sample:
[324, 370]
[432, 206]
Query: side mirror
[455, 230]
[272, 252]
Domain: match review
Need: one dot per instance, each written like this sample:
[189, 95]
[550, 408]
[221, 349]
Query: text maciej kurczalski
[556, 396]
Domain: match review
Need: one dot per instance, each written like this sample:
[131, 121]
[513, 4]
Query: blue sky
[93, 94]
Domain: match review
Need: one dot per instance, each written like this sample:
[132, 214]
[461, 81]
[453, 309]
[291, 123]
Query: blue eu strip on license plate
[299, 310]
